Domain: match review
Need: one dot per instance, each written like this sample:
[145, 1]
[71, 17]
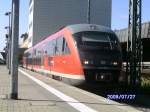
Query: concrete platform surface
[38, 93]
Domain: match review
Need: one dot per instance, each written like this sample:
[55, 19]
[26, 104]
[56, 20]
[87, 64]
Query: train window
[51, 49]
[34, 52]
[95, 37]
[47, 49]
[59, 42]
[38, 53]
[45, 52]
[37, 59]
[67, 50]
[29, 58]
[27, 54]
[99, 40]
[54, 47]
[65, 47]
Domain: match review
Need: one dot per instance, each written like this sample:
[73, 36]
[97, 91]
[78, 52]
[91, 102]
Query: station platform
[39, 93]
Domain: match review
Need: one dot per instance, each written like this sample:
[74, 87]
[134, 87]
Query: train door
[25, 60]
[38, 60]
[34, 66]
[42, 58]
[61, 55]
[47, 54]
[58, 54]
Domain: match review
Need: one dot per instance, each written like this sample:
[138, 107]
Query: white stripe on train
[70, 76]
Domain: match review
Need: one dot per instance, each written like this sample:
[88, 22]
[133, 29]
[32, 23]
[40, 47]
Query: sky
[120, 13]
[119, 16]
[5, 6]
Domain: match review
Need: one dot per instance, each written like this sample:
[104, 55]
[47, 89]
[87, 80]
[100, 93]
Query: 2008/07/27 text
[121, 96]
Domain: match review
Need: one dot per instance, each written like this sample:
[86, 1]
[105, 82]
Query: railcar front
[100, 54]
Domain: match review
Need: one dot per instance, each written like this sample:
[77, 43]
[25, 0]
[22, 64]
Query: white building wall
[30, 26]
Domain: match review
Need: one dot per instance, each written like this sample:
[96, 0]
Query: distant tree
[24, 36]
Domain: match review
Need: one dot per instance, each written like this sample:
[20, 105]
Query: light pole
[134, 42]
[14, 49]
[9, 41]
[89, 12]
[7, 44]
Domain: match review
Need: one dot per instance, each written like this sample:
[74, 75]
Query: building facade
[48, 16]
[145, 40]
[123, 33]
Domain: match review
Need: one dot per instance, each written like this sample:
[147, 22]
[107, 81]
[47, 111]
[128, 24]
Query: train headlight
[115, 63]
[86, 62]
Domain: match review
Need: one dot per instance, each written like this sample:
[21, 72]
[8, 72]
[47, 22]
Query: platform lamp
[7, 44]
[9, 40]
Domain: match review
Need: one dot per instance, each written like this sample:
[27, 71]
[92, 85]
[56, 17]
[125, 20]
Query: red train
[77, 53]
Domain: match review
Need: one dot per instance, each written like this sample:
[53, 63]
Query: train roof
[88, 27]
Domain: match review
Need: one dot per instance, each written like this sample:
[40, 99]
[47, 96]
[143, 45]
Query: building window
[31, 10]
[30, 25]
[30, 2]
[30, 39]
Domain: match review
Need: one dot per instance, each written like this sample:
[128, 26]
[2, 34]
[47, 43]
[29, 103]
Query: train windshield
[96, 40]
